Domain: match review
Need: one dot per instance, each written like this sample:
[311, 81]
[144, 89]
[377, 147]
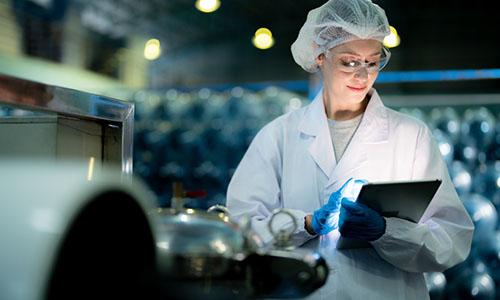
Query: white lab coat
[291, 164]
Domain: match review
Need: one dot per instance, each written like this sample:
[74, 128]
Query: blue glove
[325, 219]
[359, 221]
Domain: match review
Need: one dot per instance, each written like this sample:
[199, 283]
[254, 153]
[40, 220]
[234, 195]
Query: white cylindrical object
[38, 203]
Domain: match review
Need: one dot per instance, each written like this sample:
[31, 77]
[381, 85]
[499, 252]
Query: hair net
[334, 23]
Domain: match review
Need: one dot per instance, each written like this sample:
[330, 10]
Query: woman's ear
[319, 59]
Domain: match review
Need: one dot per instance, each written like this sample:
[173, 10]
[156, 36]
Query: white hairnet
[337, 22]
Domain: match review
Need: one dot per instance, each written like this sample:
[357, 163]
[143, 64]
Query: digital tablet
[401, 199]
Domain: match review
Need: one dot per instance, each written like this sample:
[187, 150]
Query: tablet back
[402, 199]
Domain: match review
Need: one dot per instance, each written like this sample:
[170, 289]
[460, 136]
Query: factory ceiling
[201, 48]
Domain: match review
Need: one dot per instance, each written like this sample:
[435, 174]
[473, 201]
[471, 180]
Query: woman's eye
[352, 63]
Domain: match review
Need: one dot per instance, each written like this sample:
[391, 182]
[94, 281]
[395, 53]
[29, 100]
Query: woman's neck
[342, 111]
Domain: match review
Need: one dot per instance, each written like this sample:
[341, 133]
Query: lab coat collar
[315, 116]
[315, 124]
[374, 128]
[374, 121]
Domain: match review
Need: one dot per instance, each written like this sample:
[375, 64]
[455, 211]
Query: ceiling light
[392, 40]
[152, 50]
[263, 39]
[207, 6]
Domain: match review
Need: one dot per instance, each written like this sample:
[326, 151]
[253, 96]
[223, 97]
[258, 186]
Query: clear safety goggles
[350, 64]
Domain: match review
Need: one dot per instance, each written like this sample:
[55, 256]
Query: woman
[302, 161]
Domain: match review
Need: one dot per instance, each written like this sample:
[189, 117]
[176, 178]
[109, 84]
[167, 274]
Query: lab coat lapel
[315, 124]
[373, 129]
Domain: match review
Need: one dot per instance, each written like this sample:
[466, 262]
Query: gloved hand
[359, 221]
[325, 219]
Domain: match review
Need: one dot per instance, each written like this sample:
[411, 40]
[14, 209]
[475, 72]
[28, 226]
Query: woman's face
[347, 88]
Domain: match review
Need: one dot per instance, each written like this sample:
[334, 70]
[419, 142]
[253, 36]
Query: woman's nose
[362, 73]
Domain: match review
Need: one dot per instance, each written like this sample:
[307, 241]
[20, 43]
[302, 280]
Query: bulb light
[263, 39]
[152, 49]
[393, 39]
[207, 6]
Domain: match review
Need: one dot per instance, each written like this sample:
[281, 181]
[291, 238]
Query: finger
[361, 181]
[356, 187]
[346, 215]
[345, 185]
[353, 188]
[366, 209]
[371, 211]
[346, 230]
[349, 205]
[354, 209]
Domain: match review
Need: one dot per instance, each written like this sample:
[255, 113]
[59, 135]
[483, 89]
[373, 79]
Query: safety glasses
[351, 64]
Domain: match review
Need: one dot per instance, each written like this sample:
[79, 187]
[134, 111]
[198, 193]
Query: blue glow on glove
[353, 188]
[357, 220]
[326, 218]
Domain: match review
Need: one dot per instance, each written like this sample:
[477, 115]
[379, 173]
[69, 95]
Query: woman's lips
[356, 89]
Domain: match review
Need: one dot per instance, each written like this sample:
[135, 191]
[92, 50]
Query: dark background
[207, 49]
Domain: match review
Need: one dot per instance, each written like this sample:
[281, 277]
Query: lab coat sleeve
[443, 236]
[254, 190]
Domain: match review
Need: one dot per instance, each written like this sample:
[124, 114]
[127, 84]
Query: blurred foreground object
[69, 235]
[74, 231]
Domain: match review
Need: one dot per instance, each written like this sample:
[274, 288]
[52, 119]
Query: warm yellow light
[207, 6]
[393, 39]
[263, 39]
[152, 50]
[91, 168]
